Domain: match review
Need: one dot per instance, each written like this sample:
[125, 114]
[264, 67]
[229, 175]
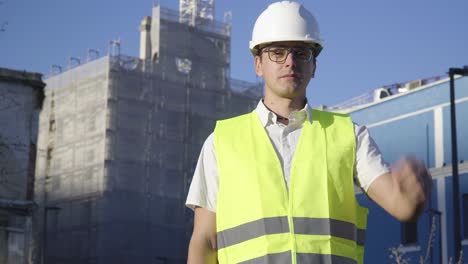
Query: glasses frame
[289, 50]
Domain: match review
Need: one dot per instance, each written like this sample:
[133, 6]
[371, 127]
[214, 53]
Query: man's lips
[289, 75]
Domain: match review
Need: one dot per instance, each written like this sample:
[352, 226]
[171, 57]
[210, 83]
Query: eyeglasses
[279, 54]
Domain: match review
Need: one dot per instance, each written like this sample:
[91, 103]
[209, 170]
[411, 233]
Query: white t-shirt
[204, 188]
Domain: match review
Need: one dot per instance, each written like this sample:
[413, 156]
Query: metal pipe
[114, 47]
[73, 59]
[88, 54]
[55, 66]
[455, 177]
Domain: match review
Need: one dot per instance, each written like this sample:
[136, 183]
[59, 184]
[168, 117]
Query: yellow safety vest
[259, 221]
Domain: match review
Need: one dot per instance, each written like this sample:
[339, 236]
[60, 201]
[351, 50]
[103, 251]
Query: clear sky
[368, 43]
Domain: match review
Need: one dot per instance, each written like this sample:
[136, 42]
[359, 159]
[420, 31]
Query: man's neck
[282, 107]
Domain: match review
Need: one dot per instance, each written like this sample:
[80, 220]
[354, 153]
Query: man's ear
[258, 65]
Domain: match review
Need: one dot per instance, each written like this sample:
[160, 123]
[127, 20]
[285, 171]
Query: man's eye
[301, 52]
[278, 52]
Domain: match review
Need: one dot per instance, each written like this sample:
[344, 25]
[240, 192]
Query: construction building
[119, 138]
[21, 95]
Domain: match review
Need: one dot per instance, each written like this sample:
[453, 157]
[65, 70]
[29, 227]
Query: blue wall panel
[411, 102]
[449, 210]
[436, 251]
[403, 105]
[449, 214]
[461, 87]
[463, 190]
[413, 135]
[462, 132]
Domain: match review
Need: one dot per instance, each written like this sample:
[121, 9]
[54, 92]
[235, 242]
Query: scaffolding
[119, 138]
[196, 12]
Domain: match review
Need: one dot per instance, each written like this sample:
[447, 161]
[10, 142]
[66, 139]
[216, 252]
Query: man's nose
[290, 60]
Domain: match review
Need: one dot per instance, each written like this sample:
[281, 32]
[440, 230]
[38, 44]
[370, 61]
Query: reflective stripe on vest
[259, 221]
[302, 225]
[285, 258]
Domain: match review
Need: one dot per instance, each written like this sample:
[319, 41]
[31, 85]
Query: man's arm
[202, 248]
[403, 191]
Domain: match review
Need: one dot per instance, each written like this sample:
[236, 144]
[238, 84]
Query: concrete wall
[21, 95]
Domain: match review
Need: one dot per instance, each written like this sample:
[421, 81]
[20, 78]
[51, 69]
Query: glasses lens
[303, 54]
[279, 54]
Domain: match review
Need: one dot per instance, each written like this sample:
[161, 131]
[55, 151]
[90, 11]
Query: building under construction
[21, 95]
[119, 138]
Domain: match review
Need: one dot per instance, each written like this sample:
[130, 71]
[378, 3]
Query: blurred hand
[404, 191]
[413, 180]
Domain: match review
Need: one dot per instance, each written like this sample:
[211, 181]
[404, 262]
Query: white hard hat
[285, 21]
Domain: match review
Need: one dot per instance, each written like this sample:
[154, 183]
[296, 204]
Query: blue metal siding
[413, 135]
[462, 132]
[461, 87]
[403, 104]
[411, 102]
[449, 215]
[463, 190]
[436, 251]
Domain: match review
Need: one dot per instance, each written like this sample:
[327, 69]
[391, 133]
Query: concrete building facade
[21, 96]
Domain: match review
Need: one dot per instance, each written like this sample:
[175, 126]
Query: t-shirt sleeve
[369, 161]
[203, 191]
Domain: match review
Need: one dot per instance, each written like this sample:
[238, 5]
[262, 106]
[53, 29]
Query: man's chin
[292, 85]
[291, 93]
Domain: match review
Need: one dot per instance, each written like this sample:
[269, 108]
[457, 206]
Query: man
[276, 185]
